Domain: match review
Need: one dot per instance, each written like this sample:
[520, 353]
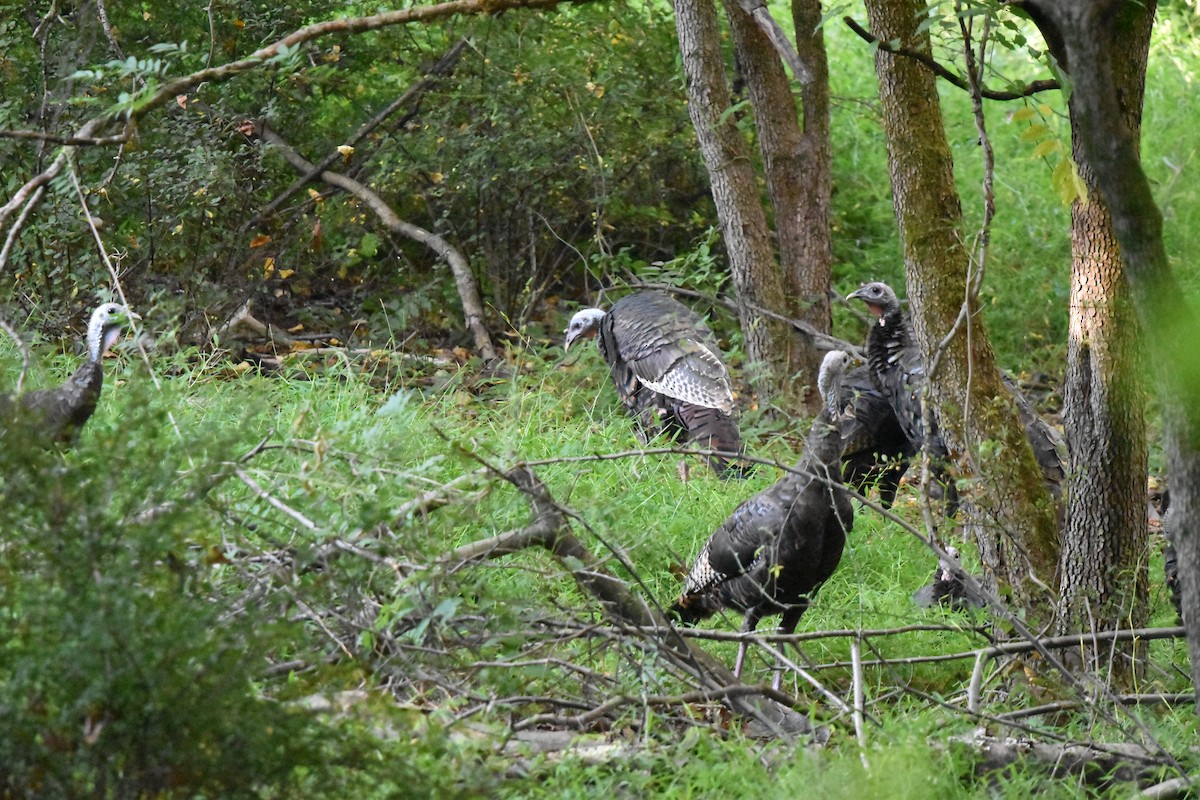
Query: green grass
[344, 454]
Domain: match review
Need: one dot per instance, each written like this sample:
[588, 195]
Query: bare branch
[77, 141]
[468, 289]
[937, 69]
[551, 530]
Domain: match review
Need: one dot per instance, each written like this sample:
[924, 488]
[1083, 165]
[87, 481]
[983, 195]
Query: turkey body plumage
[875, 449]
[896, 370]
[56, 415]
[778, 547]
[895, 367]
[1161, 512]
[667, 368]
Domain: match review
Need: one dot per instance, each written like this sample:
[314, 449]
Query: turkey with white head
[668, 370]
[57, 415]
[777, 548]
[949, 586]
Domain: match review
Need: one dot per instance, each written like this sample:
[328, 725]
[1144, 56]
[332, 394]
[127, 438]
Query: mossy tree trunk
[1104, 577]
[1009, 511]
[1082, 34]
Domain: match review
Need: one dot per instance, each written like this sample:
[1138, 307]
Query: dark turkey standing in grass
[896, 369]
[776, 549]
[896, 365]
[948, 587]
[875, 449]
[57, 415]
[1160, 516]
[667, 367]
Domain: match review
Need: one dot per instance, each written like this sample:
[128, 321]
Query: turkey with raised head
[875, 449]
[777, 548]
[896, 369]
[57, 415]
[668, 370]
[949, 586]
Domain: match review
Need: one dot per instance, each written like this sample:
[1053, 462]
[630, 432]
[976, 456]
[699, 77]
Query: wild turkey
[1160, 516]
[875, 449]
[57, 415]
[896, 366]
[667, 367]
[896, 369]
[777, 548]
[1048, 446]
[948, 588]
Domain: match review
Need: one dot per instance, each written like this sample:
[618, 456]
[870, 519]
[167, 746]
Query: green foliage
[138, 631]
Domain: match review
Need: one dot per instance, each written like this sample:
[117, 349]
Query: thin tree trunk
[1082, 31]
[735, 191]
[1010, 513]
[809, 273]
[1104, 578]
[798, 189]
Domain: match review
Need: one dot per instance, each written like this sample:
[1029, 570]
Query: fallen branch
[1097, 764]
[243, 321]
[550, 529]
[464, 279]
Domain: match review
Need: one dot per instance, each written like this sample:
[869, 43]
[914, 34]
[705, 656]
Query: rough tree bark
[1011, 513]
[796, 165]
[809, 273]
[1104, 578]
[1082, 34]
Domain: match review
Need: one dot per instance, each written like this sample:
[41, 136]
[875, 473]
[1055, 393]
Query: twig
[74, 141]
[819, 337]
[464, 278]
[859, 732]
[304, 521]
[1185, 698]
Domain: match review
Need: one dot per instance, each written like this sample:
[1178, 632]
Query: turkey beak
[568, 340]
[855, 294]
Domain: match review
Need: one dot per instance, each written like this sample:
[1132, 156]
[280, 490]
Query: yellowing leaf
[268, 266]
[1046, 148]
[1035, 132]
[1022, 115]
[286, 273]
[296, 328]
[260, 240]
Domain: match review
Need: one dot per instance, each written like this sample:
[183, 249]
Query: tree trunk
[1103, 574]
[735, 191]
[1011, 513]
[798, 182]
[1084, 32]
[809, 272]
